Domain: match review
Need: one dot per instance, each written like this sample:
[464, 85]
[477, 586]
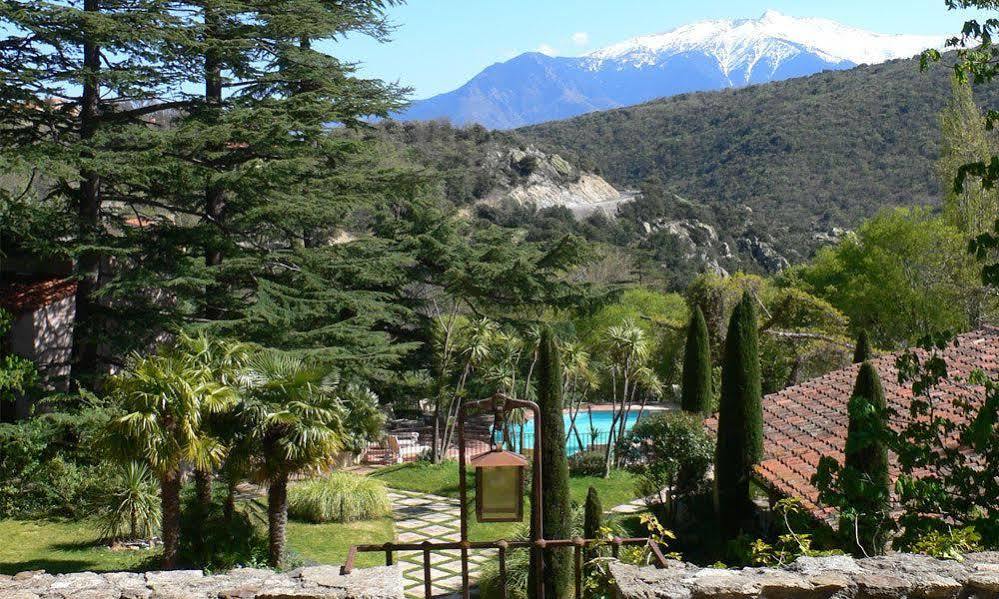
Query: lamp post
[499, 479]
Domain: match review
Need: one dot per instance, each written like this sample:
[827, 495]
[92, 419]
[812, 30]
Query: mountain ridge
[708, 55]
[805, 155]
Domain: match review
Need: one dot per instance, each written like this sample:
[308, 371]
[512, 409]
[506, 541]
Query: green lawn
[442, 479]
[64, 546]
[61, 546]
[328, 543]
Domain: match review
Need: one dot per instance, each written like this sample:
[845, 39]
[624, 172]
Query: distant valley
[750, 178]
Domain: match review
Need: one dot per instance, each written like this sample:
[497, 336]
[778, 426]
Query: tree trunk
[277, 518]
[436, 449]
[203, 488]
[84, 363]
[230, 498]
[170, 508]
[215, 192]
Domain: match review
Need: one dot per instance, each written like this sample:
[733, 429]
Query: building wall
[45, 336]
[53, 350]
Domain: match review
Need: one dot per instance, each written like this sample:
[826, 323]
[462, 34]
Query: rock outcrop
[316, 582]
[530, 176]
[897, 576]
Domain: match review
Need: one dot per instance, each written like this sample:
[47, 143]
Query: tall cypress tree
[740, 419]
[593, 516]
[556, 515]
[862, 352]
[696, 383]
[864, 479]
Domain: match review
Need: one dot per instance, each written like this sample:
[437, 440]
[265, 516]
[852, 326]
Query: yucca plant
[132, 508]
[339, 497]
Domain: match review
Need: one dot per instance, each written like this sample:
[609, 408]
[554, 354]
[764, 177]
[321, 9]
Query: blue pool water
[594, 429]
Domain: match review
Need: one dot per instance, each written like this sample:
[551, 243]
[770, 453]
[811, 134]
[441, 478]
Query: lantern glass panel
[500, 496]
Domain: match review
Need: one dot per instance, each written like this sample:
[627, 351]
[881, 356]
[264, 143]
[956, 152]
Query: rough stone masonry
[318, 582]
[895, 576]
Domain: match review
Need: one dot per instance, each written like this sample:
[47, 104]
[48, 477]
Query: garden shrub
[339, 497]
[671, 453]
[586, 463]
[48, 466]
[954, 543]
[212, 540]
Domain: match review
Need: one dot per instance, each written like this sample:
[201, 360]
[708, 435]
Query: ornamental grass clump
[339, 497]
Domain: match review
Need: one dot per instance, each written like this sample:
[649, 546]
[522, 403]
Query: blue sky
[440, 44]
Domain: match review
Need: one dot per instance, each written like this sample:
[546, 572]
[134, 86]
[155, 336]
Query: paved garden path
[423, 517]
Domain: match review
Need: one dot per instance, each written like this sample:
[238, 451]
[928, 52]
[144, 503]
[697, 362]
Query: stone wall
[891, 577]
[318, 582]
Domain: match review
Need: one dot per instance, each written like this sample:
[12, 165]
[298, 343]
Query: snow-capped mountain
[707, 55]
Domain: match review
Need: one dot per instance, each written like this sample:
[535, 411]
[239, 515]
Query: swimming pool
[594, 430]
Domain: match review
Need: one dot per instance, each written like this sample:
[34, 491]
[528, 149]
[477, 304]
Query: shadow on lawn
[66, 566]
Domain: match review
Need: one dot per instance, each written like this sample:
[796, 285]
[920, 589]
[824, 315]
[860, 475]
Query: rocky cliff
[530, 176]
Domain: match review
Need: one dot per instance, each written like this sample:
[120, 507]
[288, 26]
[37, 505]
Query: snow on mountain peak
[744, 43]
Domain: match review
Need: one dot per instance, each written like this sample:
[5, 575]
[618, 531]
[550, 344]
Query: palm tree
[164, 400]
[628, 351]
[578, 378]
[296, 423]
[460, 347]
[225, 359]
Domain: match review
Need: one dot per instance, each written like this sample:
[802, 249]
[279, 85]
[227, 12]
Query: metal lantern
[499, 486]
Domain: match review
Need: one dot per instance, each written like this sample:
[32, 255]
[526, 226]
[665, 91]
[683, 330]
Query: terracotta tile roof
[24, 295]
[803, 423]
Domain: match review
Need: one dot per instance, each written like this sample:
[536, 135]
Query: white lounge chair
[402, 445]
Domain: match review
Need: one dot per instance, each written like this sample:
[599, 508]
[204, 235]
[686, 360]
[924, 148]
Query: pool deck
[609, 407]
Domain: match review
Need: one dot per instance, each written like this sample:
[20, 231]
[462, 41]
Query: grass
[62, 546]
[442, 479]
[74, 546]
[328, 543]
[339, 497]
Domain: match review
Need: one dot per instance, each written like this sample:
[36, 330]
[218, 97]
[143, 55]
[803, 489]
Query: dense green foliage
[131, 507]
[740, 419]
[806, 154]
[556, 514]
[695, 390]
[51, 466]
[214, 539]
[861, 488]
[17, 374]
[903, 273]
[162, 404]
[671, 453]
[586, 463]
[801, 335]
[935, 475]
[338, 497]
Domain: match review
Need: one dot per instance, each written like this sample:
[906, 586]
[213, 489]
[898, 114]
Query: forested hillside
[806, 155]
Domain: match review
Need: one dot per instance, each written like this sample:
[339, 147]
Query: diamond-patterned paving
[422, 517]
